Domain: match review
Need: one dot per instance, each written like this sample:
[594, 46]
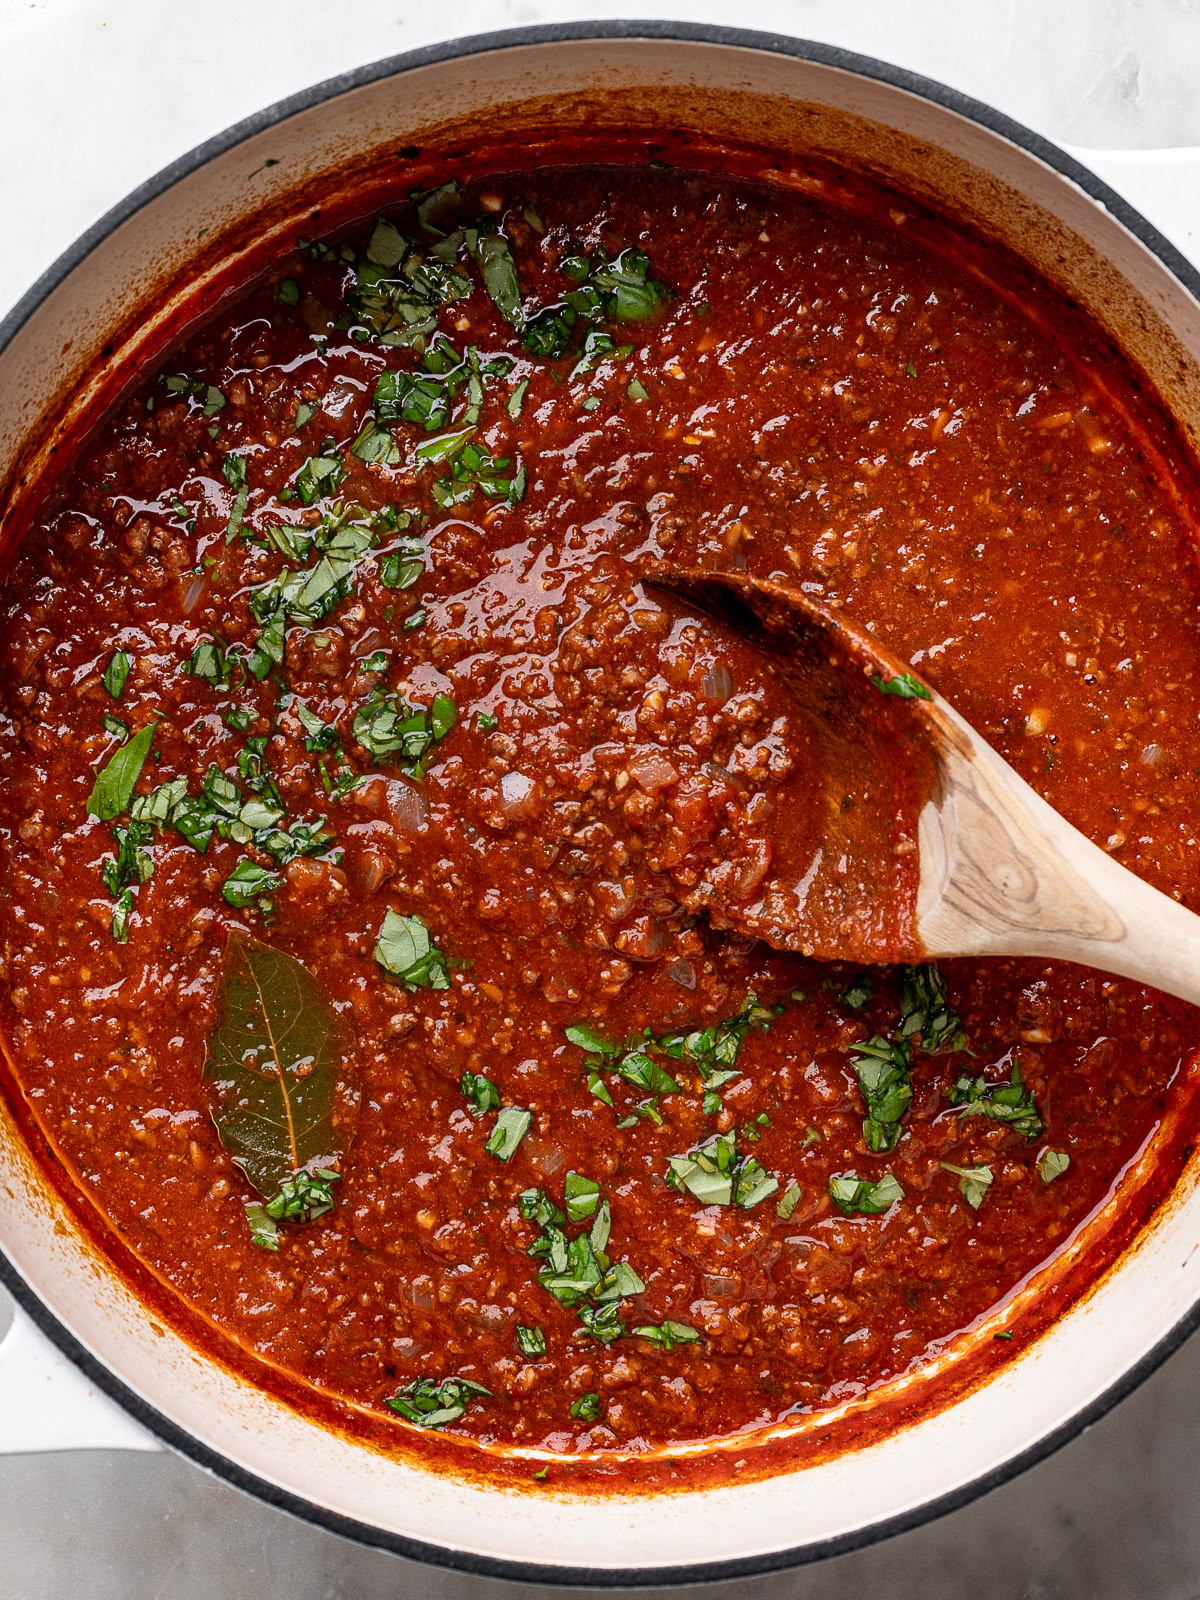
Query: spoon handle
[1002, 873]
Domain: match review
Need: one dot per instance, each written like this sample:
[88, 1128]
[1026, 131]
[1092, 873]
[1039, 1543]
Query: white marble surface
[95, 97]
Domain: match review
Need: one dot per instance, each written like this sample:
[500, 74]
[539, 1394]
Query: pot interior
[169, 258]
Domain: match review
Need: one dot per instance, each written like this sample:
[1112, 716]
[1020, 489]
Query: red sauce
[826, 396]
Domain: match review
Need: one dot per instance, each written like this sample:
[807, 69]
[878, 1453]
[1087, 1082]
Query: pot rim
[169, 1432]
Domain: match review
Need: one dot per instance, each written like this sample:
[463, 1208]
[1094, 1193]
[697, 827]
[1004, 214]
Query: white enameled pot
[91, 317]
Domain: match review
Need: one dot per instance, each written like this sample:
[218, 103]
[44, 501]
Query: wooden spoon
[958, 855]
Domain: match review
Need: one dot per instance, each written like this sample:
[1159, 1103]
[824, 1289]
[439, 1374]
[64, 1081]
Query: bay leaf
[275, 1067]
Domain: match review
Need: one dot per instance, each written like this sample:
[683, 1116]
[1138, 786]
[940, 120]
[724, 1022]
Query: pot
[108, 306]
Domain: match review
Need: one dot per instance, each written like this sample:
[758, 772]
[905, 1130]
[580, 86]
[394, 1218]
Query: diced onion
[520, 796]
[683, 973]
[717, 683]
[408, 806]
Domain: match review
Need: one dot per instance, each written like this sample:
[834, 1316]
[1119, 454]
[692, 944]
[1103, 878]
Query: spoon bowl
[930, 844]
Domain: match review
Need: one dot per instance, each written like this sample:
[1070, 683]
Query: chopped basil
[494, 258]
[636, 390]
[427, 397]
[517, 399]
[581, 1196]
[788, 1200]
[129, 867]
[264, 1230]
[924, 1010]
[114, 783]
[437, 206]
[1052, 1164]
[597, 347]
[531, 1341]
[577, 1272]
[385, 726]
[905, 685]
[377, 661]
[472, 467]
[853, 1195]
[910, 369]
[510, 1128]
[304, 1196]
[113, 726]
[248, 882]
[714, 1050]
[666, 1335]
[320, 477]
[376, 445]
[588, 1407]
[485, 722]
[591, 1039]
[481, 1093]
[306, 410]
[857, 993]
[401, 568]
[398, 290]
[116, 672]
[1010, 1102]
[627, 291]
[882, 1069]
[240, 718]
[717, 1175]
[406, 952]
[973, 1182]
[288, 292]
[233, 470]
[207, 661]
[430, 1404]
[811, 1136]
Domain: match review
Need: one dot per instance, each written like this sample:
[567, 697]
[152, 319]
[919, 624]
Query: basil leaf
[1010, 1102]
[581, 1196]
[882, 1069]
[716, 1174]
[319, 477]
[905, 685]
[207, 661]
[857, 993]
[430, 1404]
[788, 1200]
[588, 1407]
[233, 470]
[405, 951]
[112, 789]
[248, 882]
[591, 1039]
[666, 1335]
[973, 1182]
[510, 1128]
[273, 1066]
[115, 674]
[493, 255]
[304, 1196]
[1052, 1164]
[264, 1230]
[288, 292]
[924, 1010]
[853, 1195]
[481, 1093]
[531, 1341]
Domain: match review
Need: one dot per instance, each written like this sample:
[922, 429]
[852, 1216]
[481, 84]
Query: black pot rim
[177, 1438]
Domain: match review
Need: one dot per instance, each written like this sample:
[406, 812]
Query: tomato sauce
[463, 765]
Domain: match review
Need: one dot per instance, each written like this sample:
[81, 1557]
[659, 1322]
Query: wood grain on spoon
[916, 839]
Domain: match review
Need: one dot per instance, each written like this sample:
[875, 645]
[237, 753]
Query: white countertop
[94, 98]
